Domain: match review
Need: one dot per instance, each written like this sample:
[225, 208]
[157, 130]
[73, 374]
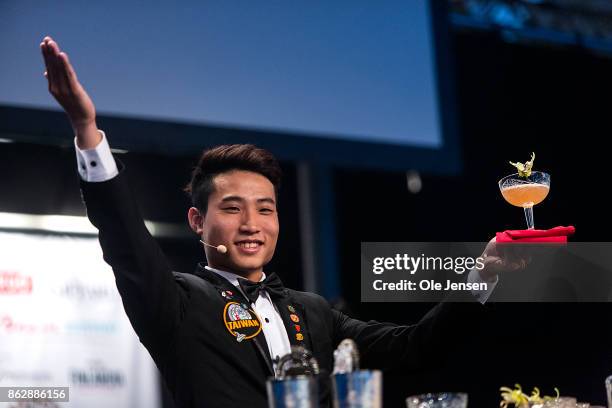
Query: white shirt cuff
[481, 295]
[96, 164]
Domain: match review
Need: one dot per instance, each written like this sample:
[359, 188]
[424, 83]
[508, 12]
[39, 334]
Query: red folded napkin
[557, 234]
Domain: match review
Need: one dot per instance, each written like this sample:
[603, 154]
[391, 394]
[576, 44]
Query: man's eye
[232, 209]
[266, 210]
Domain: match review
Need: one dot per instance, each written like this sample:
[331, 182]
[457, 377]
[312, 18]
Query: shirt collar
[232, 277]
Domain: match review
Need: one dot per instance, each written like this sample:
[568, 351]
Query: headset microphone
[220, 248]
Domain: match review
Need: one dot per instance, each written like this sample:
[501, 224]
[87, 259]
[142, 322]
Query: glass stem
[529, 217]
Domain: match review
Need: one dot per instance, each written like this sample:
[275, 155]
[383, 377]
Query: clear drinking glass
[525, 192]
[441, 400]
[295, 384]
[561, 402]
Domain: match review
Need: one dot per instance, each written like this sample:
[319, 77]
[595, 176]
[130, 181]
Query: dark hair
[226, 158]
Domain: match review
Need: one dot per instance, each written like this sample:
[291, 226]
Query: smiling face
[242, 216]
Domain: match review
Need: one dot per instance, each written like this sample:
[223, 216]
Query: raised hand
[499, 260]
[70, 94]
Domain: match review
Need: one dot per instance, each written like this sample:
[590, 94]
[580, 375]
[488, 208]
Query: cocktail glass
[525, 192]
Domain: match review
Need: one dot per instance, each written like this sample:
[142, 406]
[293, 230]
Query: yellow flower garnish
[519, 399]
[535, 396]
[516, 397]
[524, 170]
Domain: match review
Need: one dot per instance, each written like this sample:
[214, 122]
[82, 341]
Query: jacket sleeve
[152, 299]
[413, 347]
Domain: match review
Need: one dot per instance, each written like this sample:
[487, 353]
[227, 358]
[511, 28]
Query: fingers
[70, 74]
[57, 67]
[491, 248]
[495, 265]
[59, 71]
[45, 54]
[49, 54]
[501, 264]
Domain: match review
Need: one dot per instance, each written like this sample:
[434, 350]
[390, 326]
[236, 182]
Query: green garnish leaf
[524, 169]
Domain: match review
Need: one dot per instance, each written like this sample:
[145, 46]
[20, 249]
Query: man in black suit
[216, 334]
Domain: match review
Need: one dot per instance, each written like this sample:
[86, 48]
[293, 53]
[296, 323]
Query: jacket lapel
[223, 287]
[294, 318]
[262, 346]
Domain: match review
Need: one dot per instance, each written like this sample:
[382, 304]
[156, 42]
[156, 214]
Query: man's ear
[196, 220]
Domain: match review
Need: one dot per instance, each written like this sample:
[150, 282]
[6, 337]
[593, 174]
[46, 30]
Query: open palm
[64, 85]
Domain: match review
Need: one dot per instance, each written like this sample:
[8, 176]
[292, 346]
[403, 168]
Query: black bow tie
[272, 284]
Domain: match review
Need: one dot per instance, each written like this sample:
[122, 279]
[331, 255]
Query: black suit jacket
[179, 317]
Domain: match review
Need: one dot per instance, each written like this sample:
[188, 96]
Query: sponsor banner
[62, 324]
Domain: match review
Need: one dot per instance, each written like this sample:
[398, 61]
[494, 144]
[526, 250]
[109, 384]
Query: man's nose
[249, 228]
[249, 222]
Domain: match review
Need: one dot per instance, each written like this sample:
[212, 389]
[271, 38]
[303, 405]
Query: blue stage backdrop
[354, 70]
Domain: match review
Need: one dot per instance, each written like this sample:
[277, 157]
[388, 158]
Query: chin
[249, 266]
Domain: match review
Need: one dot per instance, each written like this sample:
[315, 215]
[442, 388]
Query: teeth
[249, 245]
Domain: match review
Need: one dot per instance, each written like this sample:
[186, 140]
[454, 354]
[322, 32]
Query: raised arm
[152, 298]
